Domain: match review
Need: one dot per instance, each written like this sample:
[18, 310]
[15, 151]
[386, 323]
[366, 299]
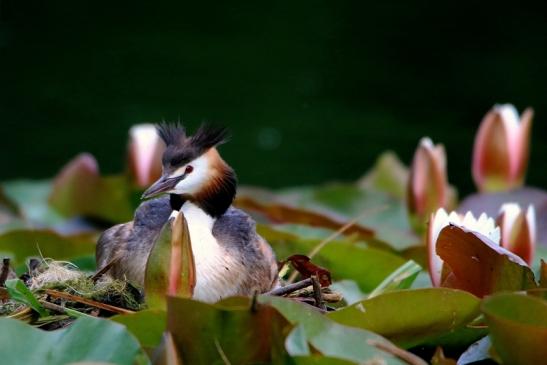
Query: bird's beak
[162, 185]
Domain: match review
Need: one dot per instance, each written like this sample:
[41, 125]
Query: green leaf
[480, 266]
[167, 353]
[285, 213]
[147, 326]
[543, 274]
[402, 278]
[329, 337]
[321, 360]
[79, 190]
[350, 291]
[170, 268]
[19, 292]
[31, 196]
[203, 332]
[412, 317]
[345, 260]
[10, 214]
[378, 211]
[86, 340]
[20, 244]
[297, 342]
[518, 327]
[383, 213]
[156, 275]
[388, 174]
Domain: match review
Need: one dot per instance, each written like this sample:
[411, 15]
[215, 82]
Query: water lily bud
[440, 219]
[502, 144]
[427, 188]
[145, 151]
[75, 185]
[518, 230]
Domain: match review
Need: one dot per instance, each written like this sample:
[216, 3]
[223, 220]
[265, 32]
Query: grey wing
[132, 241]
[111, 243]
[236, 232]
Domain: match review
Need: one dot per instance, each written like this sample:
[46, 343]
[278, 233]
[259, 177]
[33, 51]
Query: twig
[63, 310]
[53, 307]
[254, 302]
[335, 235]
[287, 289]
[398, 352]
[105, 268]
[222, 354]
[5, 271]
[317, 293]
[4, 295]
[344, 228]
[92, 303]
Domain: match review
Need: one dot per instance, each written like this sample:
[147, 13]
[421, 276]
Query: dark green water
[312, 91]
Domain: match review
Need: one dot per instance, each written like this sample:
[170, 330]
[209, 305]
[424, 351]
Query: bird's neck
[214, 198]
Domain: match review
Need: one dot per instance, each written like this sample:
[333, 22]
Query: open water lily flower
[144, 152]
[427, 188]
[518, 230]
[502, 144]
[440, 219]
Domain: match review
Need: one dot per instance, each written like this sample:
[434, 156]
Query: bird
[231, 258]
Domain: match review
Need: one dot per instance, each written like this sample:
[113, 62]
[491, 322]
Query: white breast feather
[217, 275]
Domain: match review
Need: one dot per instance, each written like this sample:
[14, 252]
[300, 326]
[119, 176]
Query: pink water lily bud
[440, 219]
[518, 230]
[427, 187]
[145, 151]
[76, 185]
[502, 144]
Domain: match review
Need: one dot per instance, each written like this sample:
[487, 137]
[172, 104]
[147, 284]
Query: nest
[61, 287]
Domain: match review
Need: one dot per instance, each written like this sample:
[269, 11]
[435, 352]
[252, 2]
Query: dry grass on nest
[66, 277]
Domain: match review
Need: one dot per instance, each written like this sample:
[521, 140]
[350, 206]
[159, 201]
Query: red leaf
[306, 268]
[478, 265]
[282, 213]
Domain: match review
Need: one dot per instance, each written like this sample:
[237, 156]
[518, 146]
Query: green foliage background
[316, 89]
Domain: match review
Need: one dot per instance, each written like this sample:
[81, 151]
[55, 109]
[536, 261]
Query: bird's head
[193, 168]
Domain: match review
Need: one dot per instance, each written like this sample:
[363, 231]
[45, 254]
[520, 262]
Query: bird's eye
[188, 169]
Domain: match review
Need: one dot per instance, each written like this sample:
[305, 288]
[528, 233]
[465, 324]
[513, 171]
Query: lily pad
[283, 213]
[147, 326]
[20, 244]
[331, 338]
[31, 196]
[346, 260]
[518, 327]
[319, 360]
[412, 317]
[373, 209]
[87, 340]
[205, 333]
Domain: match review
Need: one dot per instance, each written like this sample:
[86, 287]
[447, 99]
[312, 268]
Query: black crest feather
[181, 149]
[171, 133]
[208, 136]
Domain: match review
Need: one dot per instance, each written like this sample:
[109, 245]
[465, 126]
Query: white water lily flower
[440, 219]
